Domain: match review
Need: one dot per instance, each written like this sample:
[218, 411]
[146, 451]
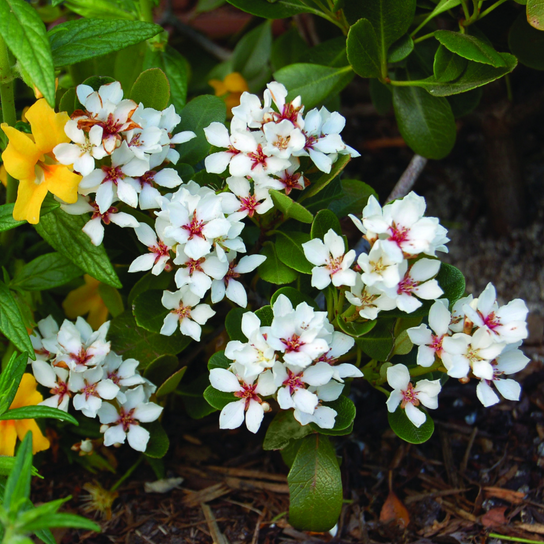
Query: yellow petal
[3, 175]
[218, 86]
[39, 442]
[61, 181]
[98, 315]
[235, 82]
[27, 393]
[30, 196]
[232, 100]
[86, 299]
[21, 154]
[47, 126]
[8, 437]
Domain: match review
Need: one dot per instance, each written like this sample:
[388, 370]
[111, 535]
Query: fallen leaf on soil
[513, 497]
[531, 527]
[162, 486]
[494, 517]
[394, 510]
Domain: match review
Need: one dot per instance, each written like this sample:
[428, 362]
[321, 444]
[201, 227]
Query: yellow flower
[3, 175]
[230, 89]
[86, 300]
[11, 429]
[30, 159]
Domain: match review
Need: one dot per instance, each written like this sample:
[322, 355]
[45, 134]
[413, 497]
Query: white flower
[250, 406]
[369, 301]
[124, 423]
[186, 311]
[409, 397]
[122, 373]
[333, 263]
[258, 202]
[198, 273]
[458, 314]
[323, 416]
[91, 388]
[47, 329]
[378, 266]
[340, 344]
[149, 196]
[504, 324]
[56, 379]
[159, 253]
[283, 139]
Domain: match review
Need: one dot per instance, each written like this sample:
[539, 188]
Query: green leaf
[131, 341]
[313, 82]
[192, 395]
[63, 232]
[45, 272]
[527, 43]
[266, 315]
[233, 324]
[219, 360]
[452, 281]
[176, 68]
[535, 13]
[425, 122]
[6, 466]
[62, 520]
[38, 412]
[441, 7]
[25, 35]
[287, 48]
[447, 65]
[355, 195]
[252, 52]
[198, 114]
[158, 441]
[324, 179]
[273, 270]
[149, 282]
[6, 218]
[323, 222]
[68, 102]
[405, 429]
[18, 483]
[10, 378]
[152, 89]
[378, 343]
[363, 51]
[101, 9]
[403, 344]
[272, 10]
[12, 324]
[295, 296]
[290, 252]
[328, 53]
[112, 299]
[475, 75]
[465, 103]
[282, 429]
[470, 47]
[171, 383]
[218, 399]
[355, 328]
[149, 311]
[83, 39]
[401, 49]
[315, 486]
[290, 208]
[345, 414]
[159, 370]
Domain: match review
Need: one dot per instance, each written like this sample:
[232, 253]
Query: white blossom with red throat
[159, 252]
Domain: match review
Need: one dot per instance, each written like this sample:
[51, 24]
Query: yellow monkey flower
[230, 89]
[30, 159]
[86, 300]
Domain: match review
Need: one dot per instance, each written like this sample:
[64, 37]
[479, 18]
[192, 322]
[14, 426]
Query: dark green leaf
[354, 198]
[82, 39]
[112, 299]
[345, 414]
[161, 368]
[323, 222]
[171, 383]
[6, 218]
[192, 395]
[465, 103]
[290, 252]
[277, 10]
[10, 378]
[25, 35]
[287, 49]
[452, 282]
[406, 430]
[363, 51]
[198, 114]
[148, 310]
[313, 82]
[45, 272]
[470, 47]
[447, 65]
[68, 102]
[63, 232]
[233, 324]
[290, 208]
[331, 53]
[266, 315]
[152, 89]
[425, 122]
[12, 324]
[527, 43]
[324, 179]
[315, 486]
[282, 429]
[218, 360]
[295, 296]
[149, 282]
[158, 441]
[252, 52]
[381, 96]
[355, 328]
[18, 483]
[378, 343]
[535, 13]
[37, 412]
[129, 340]
[273, 270]
[401, 49]
[6, 466]
[218, 399]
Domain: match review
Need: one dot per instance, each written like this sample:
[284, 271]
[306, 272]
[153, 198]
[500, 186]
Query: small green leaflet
[12, 324]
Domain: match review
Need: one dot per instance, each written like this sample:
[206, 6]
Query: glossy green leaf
[252, 52]
[331, 53]
[266, 315]
[171, 383]
[405, 429]
[282, 429]
[101, 9]
[355, 328]
[280, 9]
[447, 65]
[315, 486]
[378, 343]
[152, 89]
[233, 324]
[218, 399]
[159, 370]
[403, 344]
[45, 272]
[470, 48]
[83, 39]
[295, 296]
[18, 483]
[12, 324]
[535, 13]
[218, 360]
[323, 222]
[363, 51]
[345, 415]
[25, 35]
[112, 299]
[290, 252]
[6, 218]
[287, 49]
[313, 82]
[324, 179]
[290, 208]
[452, 281]
[10, 377]
[6, 466]
[355, 195]
[150, 282]
[38, 412]
[441, 7]
[465, 103]
[68, 101]
[425, 122]
[158, 444]
[273, 270]
[63, 232]
[131, 341]
[527, 43]
[198, 114]
[149, 311]
[401, 49]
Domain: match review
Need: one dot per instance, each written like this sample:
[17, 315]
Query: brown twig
[409, 176]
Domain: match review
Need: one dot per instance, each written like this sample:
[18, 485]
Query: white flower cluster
[137, 143]
[295, 359]
[391, 276]
[264, 145]
[477, 339]
[74, 361]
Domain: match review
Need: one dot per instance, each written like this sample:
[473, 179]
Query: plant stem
[491, 8]
[424, 37]
[146, 11]
[420, 370]
[127, 474]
